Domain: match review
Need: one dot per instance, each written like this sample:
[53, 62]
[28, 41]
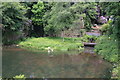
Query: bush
[104, 28]
[82, 32]
[19, 77]
[13, 21]
[89, 38]
[107, 47]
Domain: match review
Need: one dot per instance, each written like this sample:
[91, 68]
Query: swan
[49, 49]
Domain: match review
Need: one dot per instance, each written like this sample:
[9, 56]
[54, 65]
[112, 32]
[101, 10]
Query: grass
[107, 46]
[55, 43]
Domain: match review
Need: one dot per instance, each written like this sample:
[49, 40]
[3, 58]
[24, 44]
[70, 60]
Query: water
[18, 61]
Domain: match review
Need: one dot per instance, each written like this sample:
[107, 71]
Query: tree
[12, 19]
[37, 18]
[112, 9]
[89, 12]
[64, 15]
[29, 14]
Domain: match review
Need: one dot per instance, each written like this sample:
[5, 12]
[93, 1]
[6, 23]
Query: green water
[18, 61]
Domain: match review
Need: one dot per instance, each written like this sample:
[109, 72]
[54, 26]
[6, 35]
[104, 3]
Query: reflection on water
[18, 61]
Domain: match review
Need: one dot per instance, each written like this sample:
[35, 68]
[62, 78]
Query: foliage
[54, 43]
[59, 18]
[65, 15]
[13, 20]
[115, 72]
[12, 16]
[108, 45]
[104, 28]
[88, 38]
[19, 77]
[28, 6]
[115, 28]
[82, 32]
[38, 12]
[105, 49]
[87, 11]
[112, 9]
[49, 17]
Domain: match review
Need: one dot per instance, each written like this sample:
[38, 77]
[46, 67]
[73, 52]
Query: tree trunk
[63, 36]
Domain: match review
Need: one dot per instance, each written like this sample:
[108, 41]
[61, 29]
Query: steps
[89, 44]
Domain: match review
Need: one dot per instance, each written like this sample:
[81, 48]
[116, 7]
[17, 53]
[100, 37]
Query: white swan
[49, 49]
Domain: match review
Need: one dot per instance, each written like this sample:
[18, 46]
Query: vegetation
[107, 46]
[56, 43]
[13, 20]
[104, 28]
[38, 12]
[105, 49]
[37, 19]
[108, 43]
[64, 16]
[53, 43]
[88, 38]
[19, 77]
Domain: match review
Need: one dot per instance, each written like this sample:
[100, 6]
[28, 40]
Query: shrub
[19, 77]
[108, 48]
[89, 38]
[104, 28]
[82, 32]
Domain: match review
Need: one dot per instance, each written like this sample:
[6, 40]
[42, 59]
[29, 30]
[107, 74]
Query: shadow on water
[17, 61]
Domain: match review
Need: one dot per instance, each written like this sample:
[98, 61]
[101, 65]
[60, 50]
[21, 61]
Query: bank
[53, 43]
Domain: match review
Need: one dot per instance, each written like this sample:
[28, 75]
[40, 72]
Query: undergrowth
[107, 46]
